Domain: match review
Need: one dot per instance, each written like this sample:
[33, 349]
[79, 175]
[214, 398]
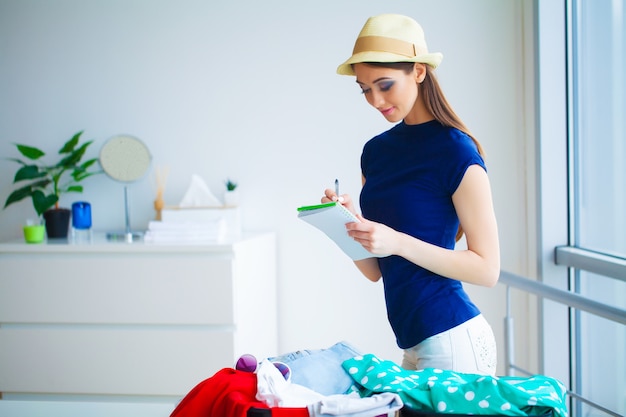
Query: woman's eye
[365, 90]
[385, 86]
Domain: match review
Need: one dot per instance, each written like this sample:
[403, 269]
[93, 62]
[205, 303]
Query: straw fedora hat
[390, 38]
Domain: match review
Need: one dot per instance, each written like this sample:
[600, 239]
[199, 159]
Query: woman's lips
[387, 112]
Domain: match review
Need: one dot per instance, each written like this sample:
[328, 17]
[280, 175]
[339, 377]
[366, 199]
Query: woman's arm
[479, 264]
[369, 268]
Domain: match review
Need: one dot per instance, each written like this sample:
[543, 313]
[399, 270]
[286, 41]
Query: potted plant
[45, 183]
[231, 196]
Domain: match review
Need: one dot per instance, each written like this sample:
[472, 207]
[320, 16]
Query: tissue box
[231, 216]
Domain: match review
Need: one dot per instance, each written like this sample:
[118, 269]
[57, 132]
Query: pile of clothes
[341, 381]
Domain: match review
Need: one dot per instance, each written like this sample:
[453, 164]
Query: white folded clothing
[275, 391]
[218, 224]
[181, 238]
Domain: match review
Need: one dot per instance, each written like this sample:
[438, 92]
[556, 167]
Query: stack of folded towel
[186, 232]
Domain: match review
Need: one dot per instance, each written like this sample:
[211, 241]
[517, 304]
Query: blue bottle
[81, 222]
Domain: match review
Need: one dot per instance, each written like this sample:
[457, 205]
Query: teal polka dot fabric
[448, 392]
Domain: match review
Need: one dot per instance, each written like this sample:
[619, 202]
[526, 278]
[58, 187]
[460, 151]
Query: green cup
[34, 233]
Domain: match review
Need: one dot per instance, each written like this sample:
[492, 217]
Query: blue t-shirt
[411, 172]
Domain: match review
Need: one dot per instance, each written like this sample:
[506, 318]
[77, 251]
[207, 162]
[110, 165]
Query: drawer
[115, 361]
[172, 288]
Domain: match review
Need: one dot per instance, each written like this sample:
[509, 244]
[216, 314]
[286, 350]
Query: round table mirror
[126, 159]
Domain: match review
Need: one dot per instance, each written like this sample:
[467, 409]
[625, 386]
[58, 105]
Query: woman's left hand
[375, 237]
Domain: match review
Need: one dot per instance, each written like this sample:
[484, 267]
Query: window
[593, 44]
[597, 178]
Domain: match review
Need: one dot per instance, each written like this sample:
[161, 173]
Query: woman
[424, 186]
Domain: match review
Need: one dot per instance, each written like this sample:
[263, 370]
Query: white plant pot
[231, 198]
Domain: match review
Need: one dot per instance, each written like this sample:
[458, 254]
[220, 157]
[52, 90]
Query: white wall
[247, 89]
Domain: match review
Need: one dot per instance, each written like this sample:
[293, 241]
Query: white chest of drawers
[117, 319]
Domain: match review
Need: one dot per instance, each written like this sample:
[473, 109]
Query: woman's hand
[375, 237]
[344, 199]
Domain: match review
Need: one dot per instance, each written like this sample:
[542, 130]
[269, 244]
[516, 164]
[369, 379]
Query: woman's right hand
[344, 199]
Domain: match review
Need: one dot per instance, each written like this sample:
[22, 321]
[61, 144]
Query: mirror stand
[128, 235]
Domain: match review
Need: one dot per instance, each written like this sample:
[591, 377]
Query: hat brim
[432, 59]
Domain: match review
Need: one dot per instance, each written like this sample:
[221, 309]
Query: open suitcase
[233, 392]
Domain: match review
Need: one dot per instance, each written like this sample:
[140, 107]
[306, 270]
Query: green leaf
[28, 172]
[79, 175]
[88, 163]
[80, 172]
[41, 184]
[30, 152]
[71, 144]
[43, 202]
[18, 195]
[75, 156]
[75, 189]
[230, 185]
[27, 191]
[19, 161]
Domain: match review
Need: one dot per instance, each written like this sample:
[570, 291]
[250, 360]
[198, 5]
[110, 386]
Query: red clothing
[228, 393]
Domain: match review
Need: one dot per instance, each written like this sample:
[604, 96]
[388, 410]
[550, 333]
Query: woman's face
[393, 92]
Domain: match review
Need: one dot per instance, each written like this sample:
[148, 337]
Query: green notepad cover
[317, 206]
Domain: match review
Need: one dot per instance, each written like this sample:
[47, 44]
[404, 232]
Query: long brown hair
[436, 104]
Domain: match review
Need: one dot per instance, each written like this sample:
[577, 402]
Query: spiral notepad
[331, 219]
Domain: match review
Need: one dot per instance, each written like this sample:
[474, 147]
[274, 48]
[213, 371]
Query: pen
[337, 188]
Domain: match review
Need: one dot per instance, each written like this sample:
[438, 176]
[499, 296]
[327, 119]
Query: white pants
[468, 348]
